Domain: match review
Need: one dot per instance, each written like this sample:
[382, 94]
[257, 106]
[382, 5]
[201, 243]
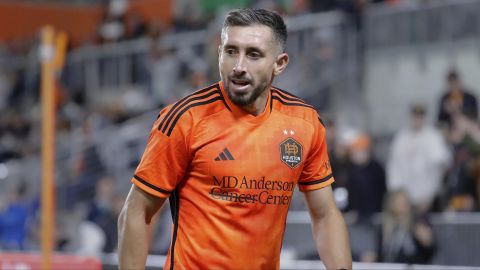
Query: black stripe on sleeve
[287, 93]
[292, 103]
[185, 104]
[172, 126]
[150, 185]
[276, 91]
[316, 181]
[321, 122]
[182, 100]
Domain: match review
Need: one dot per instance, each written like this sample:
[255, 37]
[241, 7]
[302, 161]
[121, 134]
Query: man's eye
[230, 51]
[254, 55]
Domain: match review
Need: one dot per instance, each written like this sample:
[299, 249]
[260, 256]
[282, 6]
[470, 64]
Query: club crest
[291, 152]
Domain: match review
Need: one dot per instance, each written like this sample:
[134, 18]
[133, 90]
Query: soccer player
[228, 158]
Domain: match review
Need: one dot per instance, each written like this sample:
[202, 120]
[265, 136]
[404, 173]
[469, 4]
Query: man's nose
[239, 67]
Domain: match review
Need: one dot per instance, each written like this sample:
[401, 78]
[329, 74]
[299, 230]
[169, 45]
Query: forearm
[133, 240]
[331, 239]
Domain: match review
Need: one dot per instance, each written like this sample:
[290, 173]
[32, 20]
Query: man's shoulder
[469, 94]
[192, 108]
[292, 105]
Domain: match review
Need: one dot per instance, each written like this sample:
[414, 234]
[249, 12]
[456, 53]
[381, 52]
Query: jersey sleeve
[317, 172]
[165, 159]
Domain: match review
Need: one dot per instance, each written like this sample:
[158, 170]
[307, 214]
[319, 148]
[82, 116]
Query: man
[228, 157]
[456, 100]
[418, 160]
[366, 180]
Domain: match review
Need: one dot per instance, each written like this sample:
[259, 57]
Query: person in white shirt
[418, 159]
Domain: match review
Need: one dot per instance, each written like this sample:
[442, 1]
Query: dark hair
[418, 109]
[452, 75]
[249, 16]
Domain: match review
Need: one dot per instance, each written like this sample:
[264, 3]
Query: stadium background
[361, 63]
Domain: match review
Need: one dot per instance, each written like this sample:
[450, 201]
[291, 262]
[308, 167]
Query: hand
[423, 233]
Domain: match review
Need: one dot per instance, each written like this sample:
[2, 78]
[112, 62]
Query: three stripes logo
[224, 155]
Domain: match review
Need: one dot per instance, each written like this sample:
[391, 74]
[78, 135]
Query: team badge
[291, 152]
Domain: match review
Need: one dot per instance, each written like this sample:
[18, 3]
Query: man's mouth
[240, 83]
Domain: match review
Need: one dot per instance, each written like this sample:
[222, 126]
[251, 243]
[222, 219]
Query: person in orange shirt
[228, 158]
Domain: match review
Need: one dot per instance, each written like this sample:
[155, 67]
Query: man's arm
[134, 227]
[329, 229]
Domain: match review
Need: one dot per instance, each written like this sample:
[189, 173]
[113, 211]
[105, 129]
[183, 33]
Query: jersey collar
[243, 115]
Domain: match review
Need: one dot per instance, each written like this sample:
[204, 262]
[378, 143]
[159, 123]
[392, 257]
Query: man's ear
[281, 63]
[219, 49]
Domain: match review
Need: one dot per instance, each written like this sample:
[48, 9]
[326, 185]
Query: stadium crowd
[431, 167]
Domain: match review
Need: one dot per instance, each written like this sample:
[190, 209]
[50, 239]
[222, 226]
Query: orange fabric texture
[230, 176]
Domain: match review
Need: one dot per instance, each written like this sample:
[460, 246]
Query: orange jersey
[230, 176]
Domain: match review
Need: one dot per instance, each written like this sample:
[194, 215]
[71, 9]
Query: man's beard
[244, 100]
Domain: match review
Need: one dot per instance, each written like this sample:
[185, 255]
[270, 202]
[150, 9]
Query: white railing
[421, 22]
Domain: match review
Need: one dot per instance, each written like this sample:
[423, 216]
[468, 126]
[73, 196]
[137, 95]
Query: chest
[273, 149]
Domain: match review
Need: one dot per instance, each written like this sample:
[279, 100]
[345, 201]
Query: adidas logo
[224, 155]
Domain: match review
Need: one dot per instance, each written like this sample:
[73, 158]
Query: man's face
[417, 121]
[249, 58]
[453, 83]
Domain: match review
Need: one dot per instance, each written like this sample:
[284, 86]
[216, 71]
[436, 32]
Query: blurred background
[395, 81]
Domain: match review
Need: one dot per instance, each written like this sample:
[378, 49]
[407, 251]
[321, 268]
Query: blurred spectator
[103, 213]
[14, 132]
[73, 108]
[456, 100]
[418, 160]
[87, 168]
[156, 29]
[90, 238]
[13, 220]
[112, 28]
[403, 238]
[7, 78]
[140, 62]
[135, 26]
[366, 180]
[464, 135]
